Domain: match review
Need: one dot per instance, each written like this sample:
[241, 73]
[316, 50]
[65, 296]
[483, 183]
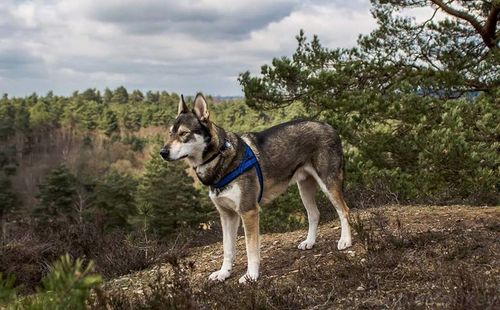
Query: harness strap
[248, 161]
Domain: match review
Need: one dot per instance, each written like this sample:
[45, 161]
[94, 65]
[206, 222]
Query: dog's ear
[200, 108]
[182, 106]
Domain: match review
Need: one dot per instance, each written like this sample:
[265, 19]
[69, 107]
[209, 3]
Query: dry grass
[404, 258]
[28, 255]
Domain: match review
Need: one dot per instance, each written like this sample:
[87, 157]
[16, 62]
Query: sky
[178, 46]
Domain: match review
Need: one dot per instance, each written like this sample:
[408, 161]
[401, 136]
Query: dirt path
[403, 255]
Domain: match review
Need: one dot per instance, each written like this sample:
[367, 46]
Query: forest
[416, 105]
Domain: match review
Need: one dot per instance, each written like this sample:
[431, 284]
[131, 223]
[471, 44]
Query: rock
[360, 288]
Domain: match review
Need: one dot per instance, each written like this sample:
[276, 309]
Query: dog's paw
[220, 275]
[306, 245]
[248, 277]
[344, 243]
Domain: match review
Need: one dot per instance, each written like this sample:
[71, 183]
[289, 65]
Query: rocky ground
[403, 257]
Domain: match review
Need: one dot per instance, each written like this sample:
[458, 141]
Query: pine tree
[8, 200]
[7, 119]
[22, 117]
[169, 192]
[120, 95]
[132, 119]
[136, 97]
[444, 58]
[115, 198]
[89, 113]
[109, 123]
[91, 94]
[108, 96]
[56, 196]
[152, 97]
[399, 97]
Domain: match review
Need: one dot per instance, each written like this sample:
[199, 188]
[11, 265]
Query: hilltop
[403, 257]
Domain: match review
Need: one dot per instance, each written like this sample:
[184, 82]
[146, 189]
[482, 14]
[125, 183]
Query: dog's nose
[164, 153]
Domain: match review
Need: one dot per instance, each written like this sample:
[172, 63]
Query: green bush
[7, 289]
[66, 286]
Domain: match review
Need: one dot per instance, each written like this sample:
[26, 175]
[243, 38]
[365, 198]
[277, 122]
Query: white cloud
[25, 13]
[181, 46]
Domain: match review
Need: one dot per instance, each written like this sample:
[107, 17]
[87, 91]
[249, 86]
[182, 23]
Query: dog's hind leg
[331, 185]
[307, 190]
[230, 221]
[337, 198]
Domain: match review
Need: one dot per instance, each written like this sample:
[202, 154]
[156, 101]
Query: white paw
[249, 277]
[344, 243]
[306, 245]
[220, 275]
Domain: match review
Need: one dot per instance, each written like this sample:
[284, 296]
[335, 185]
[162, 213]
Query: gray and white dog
[304, 152]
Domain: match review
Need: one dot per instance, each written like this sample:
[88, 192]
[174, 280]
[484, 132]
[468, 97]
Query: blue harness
[247, 162]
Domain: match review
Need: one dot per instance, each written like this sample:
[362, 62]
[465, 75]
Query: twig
[326, 302]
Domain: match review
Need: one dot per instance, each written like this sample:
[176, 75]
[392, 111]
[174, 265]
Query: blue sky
[181, 46]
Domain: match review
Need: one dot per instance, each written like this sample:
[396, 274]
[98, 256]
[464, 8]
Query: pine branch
[487, 32]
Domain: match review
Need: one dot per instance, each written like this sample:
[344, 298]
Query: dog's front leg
[230, 221]
[251, 225]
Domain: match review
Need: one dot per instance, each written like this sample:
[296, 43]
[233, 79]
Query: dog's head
[190, 133]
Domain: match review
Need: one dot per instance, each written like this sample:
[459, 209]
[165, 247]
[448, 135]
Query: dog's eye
[183, 134]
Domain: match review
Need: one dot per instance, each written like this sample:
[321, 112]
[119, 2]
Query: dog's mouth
[169, 159]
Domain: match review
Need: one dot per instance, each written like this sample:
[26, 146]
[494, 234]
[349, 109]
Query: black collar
[226, 145]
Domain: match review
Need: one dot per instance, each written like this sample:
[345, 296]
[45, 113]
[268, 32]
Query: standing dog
[303, 152]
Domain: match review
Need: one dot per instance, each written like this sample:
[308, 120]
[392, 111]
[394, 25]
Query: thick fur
[304, 152]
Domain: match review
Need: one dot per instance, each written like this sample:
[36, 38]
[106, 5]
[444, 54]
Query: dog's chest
[228, 198]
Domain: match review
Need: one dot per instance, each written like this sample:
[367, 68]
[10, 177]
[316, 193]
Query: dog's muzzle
[164, 153]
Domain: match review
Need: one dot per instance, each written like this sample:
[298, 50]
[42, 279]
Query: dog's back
[286, 148]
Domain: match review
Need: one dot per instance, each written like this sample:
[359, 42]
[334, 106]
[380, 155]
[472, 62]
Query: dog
[308, 153]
